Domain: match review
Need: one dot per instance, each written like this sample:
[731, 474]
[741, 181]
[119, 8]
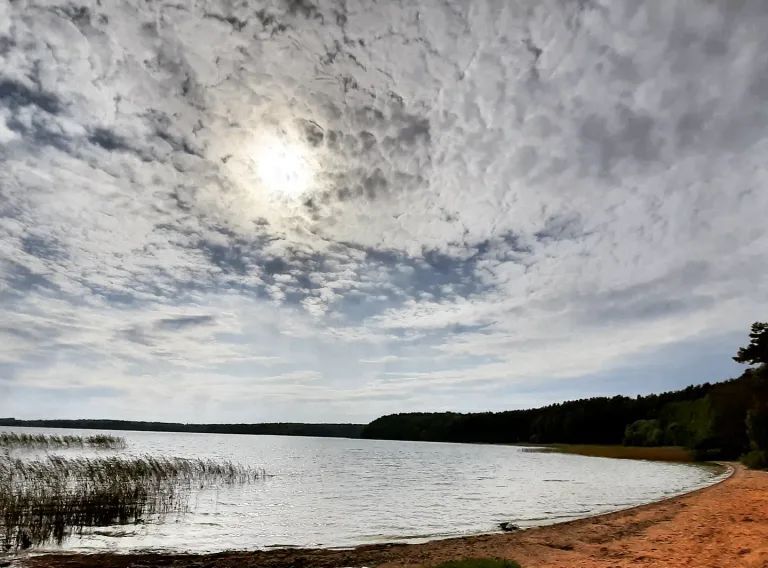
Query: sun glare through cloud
[284, 168]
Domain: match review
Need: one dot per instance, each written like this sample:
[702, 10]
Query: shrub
[643, 433]
[756, 459]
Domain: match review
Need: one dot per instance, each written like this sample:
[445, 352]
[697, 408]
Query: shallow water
[333, 492]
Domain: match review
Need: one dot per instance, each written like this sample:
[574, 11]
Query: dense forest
[274, 428]
[721, 420]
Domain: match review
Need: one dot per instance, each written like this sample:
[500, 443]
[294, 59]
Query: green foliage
[757, 427]
[757, 423]
[644, 433]
[716, 421]
[756, 353]
[756, 459]
[687, 423]
[479, 563]
[599, 420]
[711, 419]
[729, 403]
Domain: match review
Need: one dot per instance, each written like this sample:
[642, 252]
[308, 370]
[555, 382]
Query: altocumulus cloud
[509, 202]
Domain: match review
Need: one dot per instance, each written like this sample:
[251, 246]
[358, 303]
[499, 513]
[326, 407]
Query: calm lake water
[327, 492]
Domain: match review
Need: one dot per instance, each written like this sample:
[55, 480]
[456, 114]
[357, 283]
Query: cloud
[182, 322]
[381, 360]
[502, 196]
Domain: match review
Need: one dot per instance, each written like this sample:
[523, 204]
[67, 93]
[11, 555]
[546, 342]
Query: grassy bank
[660, 453]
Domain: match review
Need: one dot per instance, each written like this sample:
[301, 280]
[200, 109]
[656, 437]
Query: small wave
[116, 533]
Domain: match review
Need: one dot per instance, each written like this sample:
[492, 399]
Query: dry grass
[47, 500]
[660, 453]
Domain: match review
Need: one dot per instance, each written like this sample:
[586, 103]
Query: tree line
[272, 428]
[722, 420]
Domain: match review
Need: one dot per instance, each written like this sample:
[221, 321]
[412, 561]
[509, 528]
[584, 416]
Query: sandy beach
[722, 526]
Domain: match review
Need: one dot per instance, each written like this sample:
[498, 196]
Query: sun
[284, 168]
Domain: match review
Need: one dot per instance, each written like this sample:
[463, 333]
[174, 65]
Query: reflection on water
[338, 492]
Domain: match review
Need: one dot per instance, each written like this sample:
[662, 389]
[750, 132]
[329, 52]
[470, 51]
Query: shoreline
[724, 524]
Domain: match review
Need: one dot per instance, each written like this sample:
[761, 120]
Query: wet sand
[723, 526]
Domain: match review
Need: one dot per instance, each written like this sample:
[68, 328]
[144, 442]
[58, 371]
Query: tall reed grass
[23, 440]
[49, 499]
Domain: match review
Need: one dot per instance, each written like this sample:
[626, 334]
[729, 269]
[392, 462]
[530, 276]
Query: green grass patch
[479, 563]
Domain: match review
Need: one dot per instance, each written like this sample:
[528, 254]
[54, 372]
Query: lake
[333, 492]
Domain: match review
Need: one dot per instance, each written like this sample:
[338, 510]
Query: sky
[243, 211]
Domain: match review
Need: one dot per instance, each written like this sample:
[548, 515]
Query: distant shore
[329, 430]
[722, 525]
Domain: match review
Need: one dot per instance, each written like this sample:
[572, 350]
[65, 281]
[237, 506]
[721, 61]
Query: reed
[10, 440]
[654, 453]
[51, 498]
